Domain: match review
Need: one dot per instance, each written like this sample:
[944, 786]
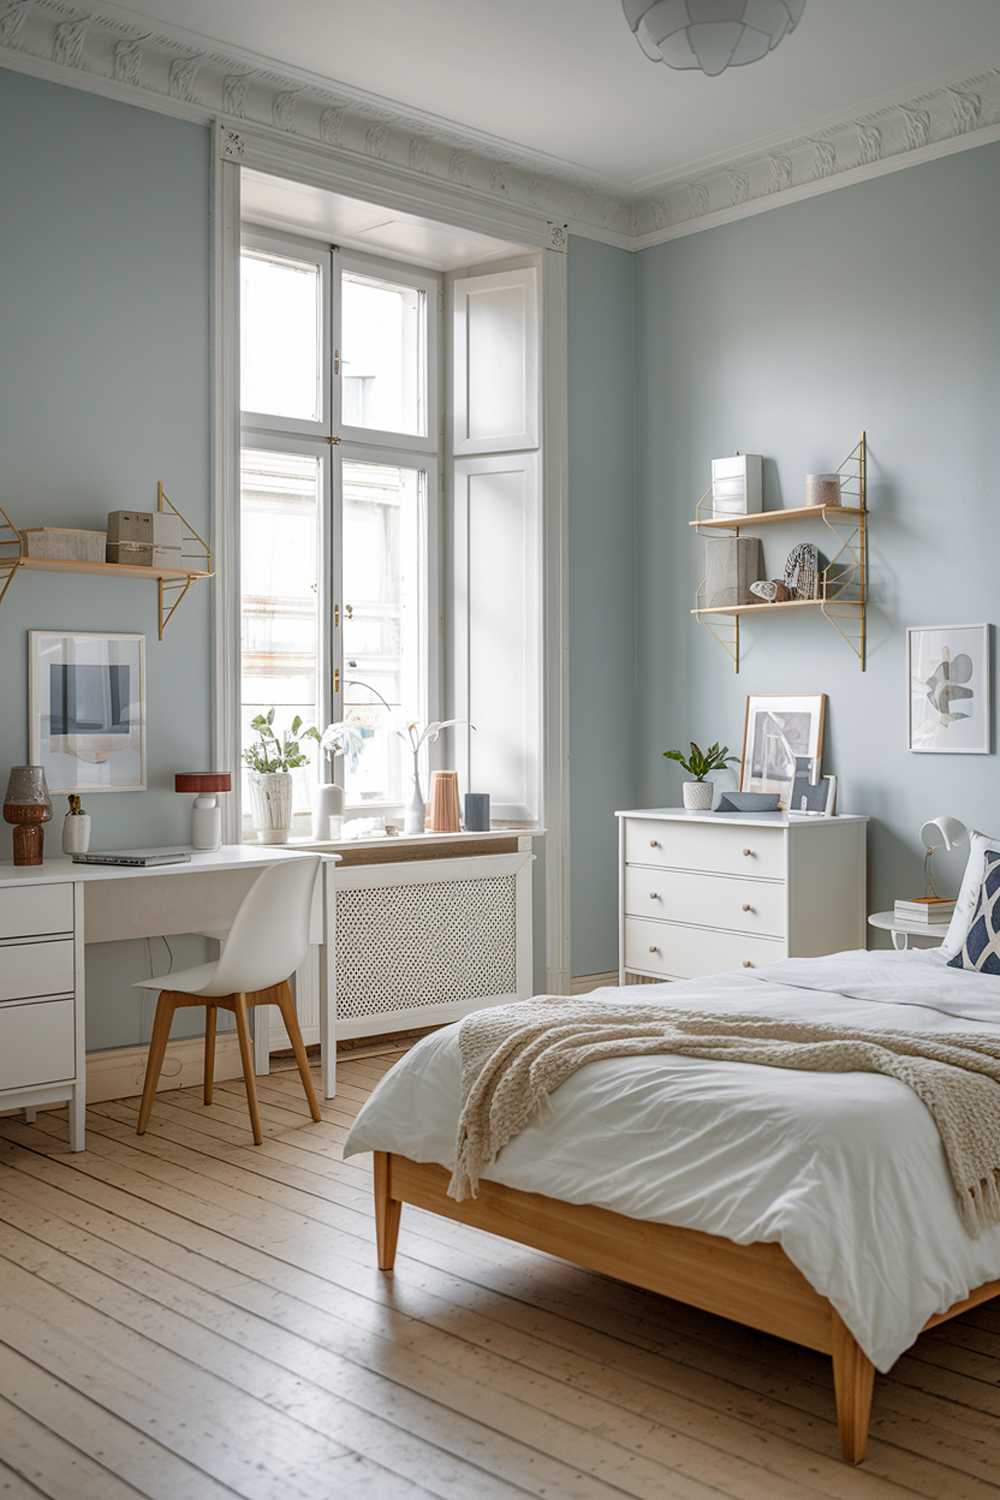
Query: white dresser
[700, 893]
[41, 1007]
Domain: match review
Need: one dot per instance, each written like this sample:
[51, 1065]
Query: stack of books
[926, 911]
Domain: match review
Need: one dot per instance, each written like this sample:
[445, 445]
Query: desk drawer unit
[28, 911]
[37, 1043]
[702, 895]
[28, 970]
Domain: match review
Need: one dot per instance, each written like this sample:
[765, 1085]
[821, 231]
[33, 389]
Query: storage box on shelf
[700, 893]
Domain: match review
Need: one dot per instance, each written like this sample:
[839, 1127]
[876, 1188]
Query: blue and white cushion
[981, 948]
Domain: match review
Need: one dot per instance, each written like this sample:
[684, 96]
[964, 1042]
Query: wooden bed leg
[853, 1380]
[387, 1212]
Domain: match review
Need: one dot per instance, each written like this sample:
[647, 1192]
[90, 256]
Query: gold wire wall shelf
[842, 596]
[172, 584]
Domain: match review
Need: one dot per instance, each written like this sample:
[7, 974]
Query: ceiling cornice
[106, 50]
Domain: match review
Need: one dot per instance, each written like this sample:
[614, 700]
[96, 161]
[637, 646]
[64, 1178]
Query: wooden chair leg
[387, 1212]
[286, 1004]
[853, 1382]
[211, 1015]
[162, 1021]
[246, 1056]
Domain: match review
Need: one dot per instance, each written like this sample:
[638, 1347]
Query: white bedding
[845, 1171]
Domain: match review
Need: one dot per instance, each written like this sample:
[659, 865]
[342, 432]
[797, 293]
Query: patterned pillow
[981, 949]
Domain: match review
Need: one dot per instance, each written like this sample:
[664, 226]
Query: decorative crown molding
[103, 50]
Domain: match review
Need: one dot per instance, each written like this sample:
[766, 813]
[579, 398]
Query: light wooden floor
[184, 1316]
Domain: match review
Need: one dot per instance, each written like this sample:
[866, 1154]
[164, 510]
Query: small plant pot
[76, 833]
[698, 796]
[271, 805]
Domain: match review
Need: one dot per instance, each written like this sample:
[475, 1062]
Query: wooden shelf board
[126, 570]
[770, 517]
[749, 609]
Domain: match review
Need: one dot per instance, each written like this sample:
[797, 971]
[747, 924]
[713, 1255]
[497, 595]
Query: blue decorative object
[477, 812]
[981, 949]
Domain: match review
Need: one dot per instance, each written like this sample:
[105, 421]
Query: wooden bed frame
[753, 1284]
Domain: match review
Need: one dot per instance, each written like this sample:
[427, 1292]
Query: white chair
[263, 947]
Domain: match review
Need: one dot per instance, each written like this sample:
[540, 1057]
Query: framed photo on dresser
[87, 710]
[779, 731]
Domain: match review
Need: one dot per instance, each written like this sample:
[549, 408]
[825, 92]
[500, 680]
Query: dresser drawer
[28, 969]
[33, 910]
[679, 952]
[755, 906]
[37, 1044]
[718, 848]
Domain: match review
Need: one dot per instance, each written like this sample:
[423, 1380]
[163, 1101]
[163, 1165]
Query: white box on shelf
[736, 485]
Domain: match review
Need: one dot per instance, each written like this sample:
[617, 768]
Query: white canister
[76, 833]
[328, 802]
[823, 489]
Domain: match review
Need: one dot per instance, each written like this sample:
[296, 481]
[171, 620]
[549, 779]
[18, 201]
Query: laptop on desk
[137, 858]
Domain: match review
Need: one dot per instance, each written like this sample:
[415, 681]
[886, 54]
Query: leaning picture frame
[779, 730]
[948, 690]
[87, 710]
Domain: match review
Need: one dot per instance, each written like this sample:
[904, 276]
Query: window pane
[385, 627]
[282, 345]
[384, 355]
[280, 508]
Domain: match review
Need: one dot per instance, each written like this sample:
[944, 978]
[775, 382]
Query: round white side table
[908, 934]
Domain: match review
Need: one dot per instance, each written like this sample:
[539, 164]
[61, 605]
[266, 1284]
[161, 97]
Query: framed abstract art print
[948, 689]
[87, 710]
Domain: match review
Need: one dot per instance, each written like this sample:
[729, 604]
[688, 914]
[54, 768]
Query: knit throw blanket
[515, 1056]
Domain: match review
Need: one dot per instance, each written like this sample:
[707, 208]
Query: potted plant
[271, 763]
[699, 764]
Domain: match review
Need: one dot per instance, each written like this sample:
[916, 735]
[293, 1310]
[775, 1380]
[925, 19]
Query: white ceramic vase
[76, 833]
[698, 796]
[416, 813]
[271, 805]
[328, 802]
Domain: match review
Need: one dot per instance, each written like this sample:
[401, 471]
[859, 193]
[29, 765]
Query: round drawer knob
[653, 949]
[748, 963]
[748, 907]
[748, 853]
[654, 843]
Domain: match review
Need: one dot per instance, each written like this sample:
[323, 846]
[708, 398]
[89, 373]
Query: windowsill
[410, 840]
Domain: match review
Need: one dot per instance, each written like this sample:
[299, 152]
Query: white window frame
[399, 274]
[307, 252]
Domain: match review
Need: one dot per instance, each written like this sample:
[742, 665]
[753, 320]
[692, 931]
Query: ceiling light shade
[710, 34]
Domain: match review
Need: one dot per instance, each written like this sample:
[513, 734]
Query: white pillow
[968, 895]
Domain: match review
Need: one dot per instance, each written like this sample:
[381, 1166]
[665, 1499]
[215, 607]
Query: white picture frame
[779, 729]
[87, 710]
[948, 690]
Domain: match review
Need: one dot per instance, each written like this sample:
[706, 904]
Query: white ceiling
[564, 79]
[336, 219]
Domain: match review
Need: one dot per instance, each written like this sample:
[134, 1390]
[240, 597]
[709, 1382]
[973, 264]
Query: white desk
[48, 912]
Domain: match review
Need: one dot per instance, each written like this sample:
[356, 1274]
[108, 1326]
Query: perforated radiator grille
[400, 947]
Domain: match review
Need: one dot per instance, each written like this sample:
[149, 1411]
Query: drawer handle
[655, 896]
[748, 853]
[655, 844]
[748, 963]
[748, 907]
[653, 948]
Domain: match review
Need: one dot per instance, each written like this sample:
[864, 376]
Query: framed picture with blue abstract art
[948, 680]
[87, 710]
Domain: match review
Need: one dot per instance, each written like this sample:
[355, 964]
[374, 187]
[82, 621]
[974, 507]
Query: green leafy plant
[700, 762]
[272, 754]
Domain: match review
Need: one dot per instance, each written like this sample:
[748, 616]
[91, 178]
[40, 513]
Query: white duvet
[845, 1171]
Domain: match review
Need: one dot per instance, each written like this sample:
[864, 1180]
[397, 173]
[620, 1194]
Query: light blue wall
[104, 388]
[601, 288]
[875, 306]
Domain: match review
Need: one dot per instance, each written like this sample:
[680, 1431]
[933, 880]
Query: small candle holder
[28, 807]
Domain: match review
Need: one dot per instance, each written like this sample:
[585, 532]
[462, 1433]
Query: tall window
[339, 505]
